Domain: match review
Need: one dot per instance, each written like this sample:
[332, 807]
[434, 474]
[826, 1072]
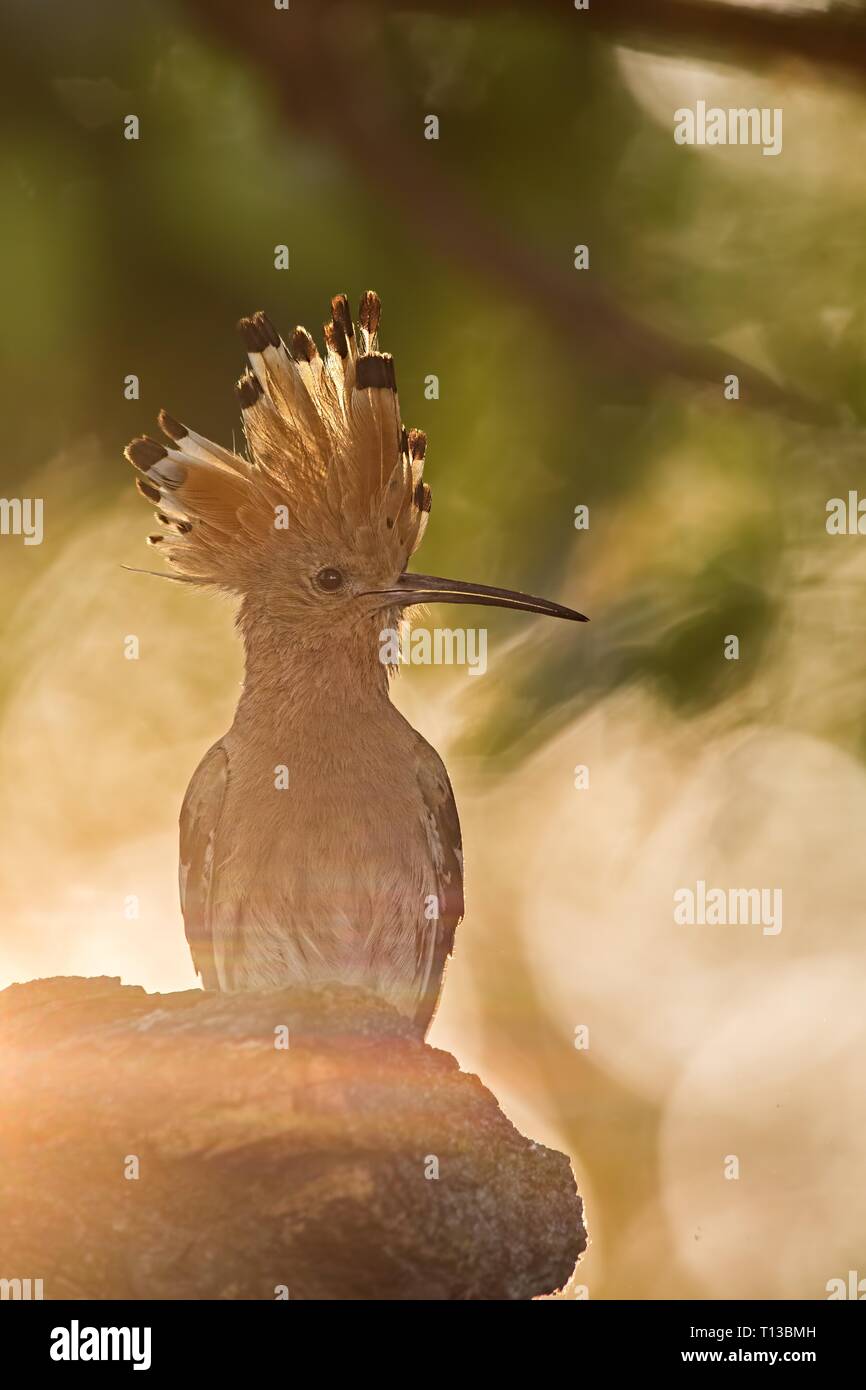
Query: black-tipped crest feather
[326, 445]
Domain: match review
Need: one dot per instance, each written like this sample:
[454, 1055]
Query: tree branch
[835, 37]
[335, 51]
[728, 33]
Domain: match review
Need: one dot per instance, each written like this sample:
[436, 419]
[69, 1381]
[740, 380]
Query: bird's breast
[342, 829]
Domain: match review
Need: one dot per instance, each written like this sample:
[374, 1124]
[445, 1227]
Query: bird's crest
[329, 460]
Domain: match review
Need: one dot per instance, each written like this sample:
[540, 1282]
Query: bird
[319, 837]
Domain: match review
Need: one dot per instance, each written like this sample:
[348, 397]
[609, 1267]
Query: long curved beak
[427, 588]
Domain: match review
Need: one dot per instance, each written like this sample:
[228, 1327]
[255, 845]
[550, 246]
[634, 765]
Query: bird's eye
[330, 580]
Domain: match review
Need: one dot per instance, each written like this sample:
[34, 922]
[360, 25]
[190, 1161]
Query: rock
[261, 1167]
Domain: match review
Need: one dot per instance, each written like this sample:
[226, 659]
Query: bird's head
[316, 526]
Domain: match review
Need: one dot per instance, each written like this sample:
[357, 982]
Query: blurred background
[558, 388]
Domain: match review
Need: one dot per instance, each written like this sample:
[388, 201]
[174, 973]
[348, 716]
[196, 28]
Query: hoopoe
[319, 839]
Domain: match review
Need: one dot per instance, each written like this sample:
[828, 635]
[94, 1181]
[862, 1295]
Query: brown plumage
[319, 836]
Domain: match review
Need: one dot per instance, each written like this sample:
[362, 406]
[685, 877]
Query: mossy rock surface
[262, 1166]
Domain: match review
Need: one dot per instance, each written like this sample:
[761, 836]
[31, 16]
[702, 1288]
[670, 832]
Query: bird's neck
[291, 676]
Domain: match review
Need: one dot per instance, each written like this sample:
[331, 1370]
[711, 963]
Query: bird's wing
[435, 936]
[199, 822]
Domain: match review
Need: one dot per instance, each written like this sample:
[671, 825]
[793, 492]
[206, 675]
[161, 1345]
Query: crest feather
[325, 442]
